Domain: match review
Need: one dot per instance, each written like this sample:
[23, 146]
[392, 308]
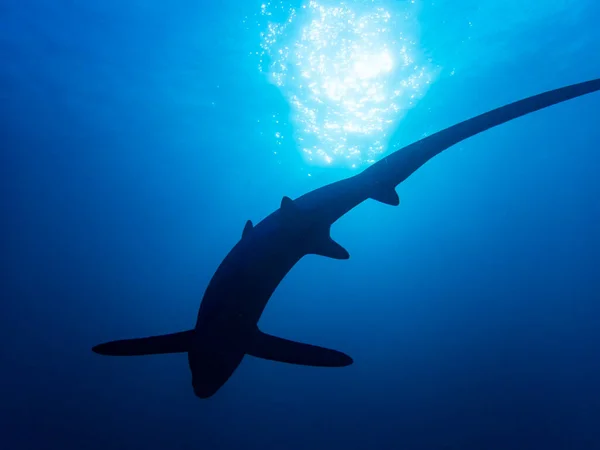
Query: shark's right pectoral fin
[274, 348]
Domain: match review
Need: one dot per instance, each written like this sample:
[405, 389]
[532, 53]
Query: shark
[227, 329]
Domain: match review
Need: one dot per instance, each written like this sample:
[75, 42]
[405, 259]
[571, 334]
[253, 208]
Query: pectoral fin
[154, 345]
[274, 348]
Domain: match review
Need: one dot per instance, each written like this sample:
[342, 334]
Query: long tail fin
[153, 345]
[399, 165]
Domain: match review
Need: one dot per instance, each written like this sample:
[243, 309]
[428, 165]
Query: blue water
[136, 141]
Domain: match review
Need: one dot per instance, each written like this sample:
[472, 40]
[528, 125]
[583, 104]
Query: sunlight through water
[349, 72]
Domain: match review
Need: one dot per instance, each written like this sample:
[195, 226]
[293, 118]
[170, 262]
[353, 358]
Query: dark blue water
[135, 141]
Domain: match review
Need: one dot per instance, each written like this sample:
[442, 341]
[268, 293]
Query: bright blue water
[471, 311]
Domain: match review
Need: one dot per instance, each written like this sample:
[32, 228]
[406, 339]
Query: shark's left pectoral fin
[274, 348]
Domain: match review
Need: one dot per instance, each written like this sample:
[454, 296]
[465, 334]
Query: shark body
[227, 324]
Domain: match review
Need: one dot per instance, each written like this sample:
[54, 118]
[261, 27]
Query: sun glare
[348, 73]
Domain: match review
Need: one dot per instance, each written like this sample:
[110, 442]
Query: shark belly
[247, 278]
[232, 305]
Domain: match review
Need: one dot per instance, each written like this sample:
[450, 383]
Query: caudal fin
[278, 349]
[153, 345]
[399, 165]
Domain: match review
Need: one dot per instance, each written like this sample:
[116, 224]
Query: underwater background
[136, 139]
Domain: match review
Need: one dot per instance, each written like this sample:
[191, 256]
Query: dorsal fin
[289, 210]
[247, 228]
[287, 203]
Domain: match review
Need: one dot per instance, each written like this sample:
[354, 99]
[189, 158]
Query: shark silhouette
[227, 325]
